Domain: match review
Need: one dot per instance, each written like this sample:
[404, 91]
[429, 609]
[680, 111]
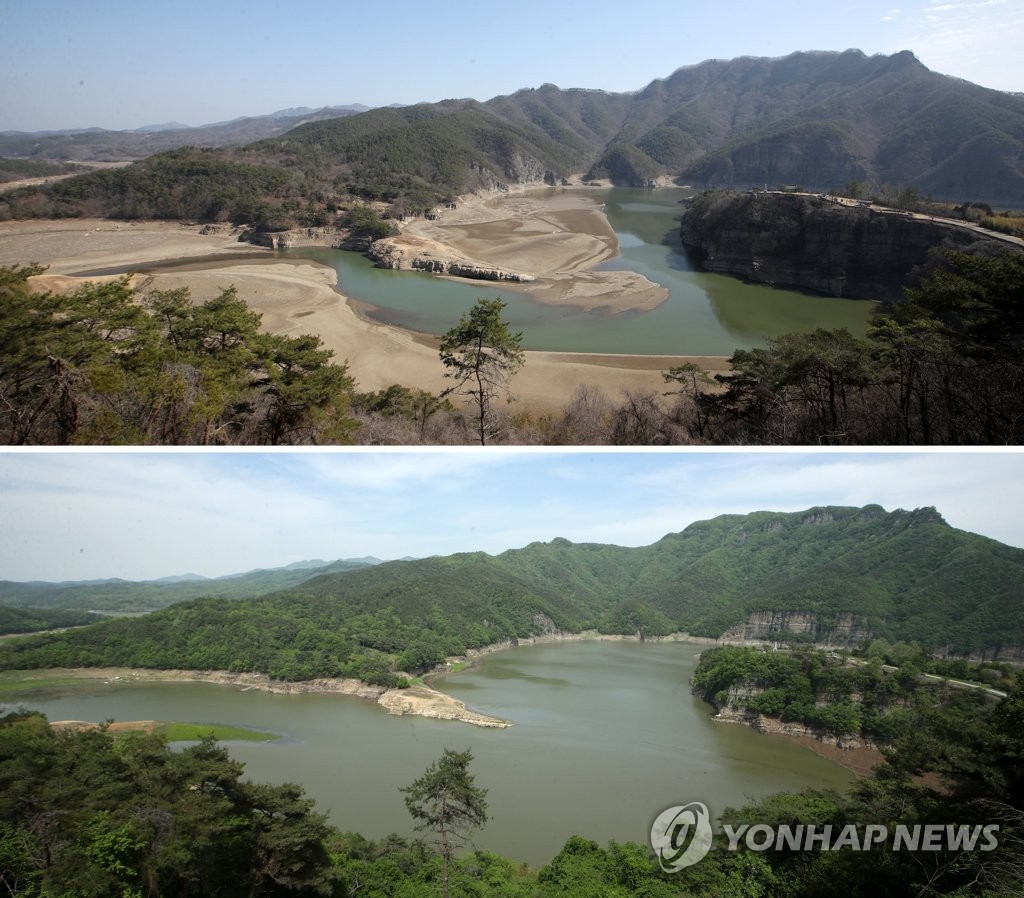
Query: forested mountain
[29, 620]
[147, 595]
[835, 573]
[820, 120]
[815, 119]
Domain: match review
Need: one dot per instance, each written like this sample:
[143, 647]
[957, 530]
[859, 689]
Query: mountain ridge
[836, 574]
[820, 120]
[120, 595]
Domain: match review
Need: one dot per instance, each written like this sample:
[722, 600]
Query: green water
[706, 314]
[605, 736]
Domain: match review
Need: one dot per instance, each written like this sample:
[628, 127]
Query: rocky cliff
[831, 246]
[832, 630]
[778, 727]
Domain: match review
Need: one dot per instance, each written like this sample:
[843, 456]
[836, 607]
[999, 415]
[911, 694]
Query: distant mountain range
[828, 574]
[103, 145]
[812, 120]
[117, 595]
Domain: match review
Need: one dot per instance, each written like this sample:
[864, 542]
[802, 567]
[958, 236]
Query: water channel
[706, 314]
[605, 736]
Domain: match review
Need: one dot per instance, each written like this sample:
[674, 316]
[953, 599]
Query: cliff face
[837, 630]
[814, 243]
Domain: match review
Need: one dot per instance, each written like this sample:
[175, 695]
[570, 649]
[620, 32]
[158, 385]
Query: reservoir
[606, 735]
[706, 314]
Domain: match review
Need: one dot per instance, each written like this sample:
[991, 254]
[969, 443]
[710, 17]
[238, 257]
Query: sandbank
[296, 296]
[555, 237]
[422, 701]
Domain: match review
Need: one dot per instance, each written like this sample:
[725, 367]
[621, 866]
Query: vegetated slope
[837, 572]
[832, 696]
[16, 169]
[29, 620]
[902, 575]
[148, 595]
[879, 120]
[819, 120]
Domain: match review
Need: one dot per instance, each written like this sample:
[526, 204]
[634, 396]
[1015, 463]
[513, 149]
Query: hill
[103, 145]
[29, 620]
[825, 244]
[125, 596]
[834, 575]
[820, 120]
[816, 119]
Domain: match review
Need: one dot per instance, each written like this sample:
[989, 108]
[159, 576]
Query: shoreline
[859, 757]
[425, 700]
[551, 239]
[422, 701]
[472, 658]
[296, 297]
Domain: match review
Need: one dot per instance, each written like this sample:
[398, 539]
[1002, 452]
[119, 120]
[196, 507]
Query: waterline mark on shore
[682, 835]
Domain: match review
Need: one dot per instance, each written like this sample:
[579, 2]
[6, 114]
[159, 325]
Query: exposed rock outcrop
[818, 243]
[774, 726]
[765, 626]
[731, 709]
[426, 702]
[325, 236]
[421, 254]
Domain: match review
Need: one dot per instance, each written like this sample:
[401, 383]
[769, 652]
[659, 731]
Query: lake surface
[606, 735]
[706, 314]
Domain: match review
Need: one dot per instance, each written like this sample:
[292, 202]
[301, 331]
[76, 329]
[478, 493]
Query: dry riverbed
[557, 237]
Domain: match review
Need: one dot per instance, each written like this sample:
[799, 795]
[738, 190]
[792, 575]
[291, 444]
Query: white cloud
[979, 41]
[143, 515]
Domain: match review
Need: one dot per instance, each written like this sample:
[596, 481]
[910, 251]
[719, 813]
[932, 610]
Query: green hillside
[125, 596]
[28, 620]
[901, 575]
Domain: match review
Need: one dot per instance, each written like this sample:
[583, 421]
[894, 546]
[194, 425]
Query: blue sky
[139, 515]
[129, 63]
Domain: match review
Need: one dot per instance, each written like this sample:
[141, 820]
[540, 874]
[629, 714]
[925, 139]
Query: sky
[130, 63]
[144, 515]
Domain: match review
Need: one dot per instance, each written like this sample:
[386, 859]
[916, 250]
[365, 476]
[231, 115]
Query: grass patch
[193, 732]
[19, 682]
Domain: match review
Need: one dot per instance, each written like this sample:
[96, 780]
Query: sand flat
[297, 296]
[555, 236]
